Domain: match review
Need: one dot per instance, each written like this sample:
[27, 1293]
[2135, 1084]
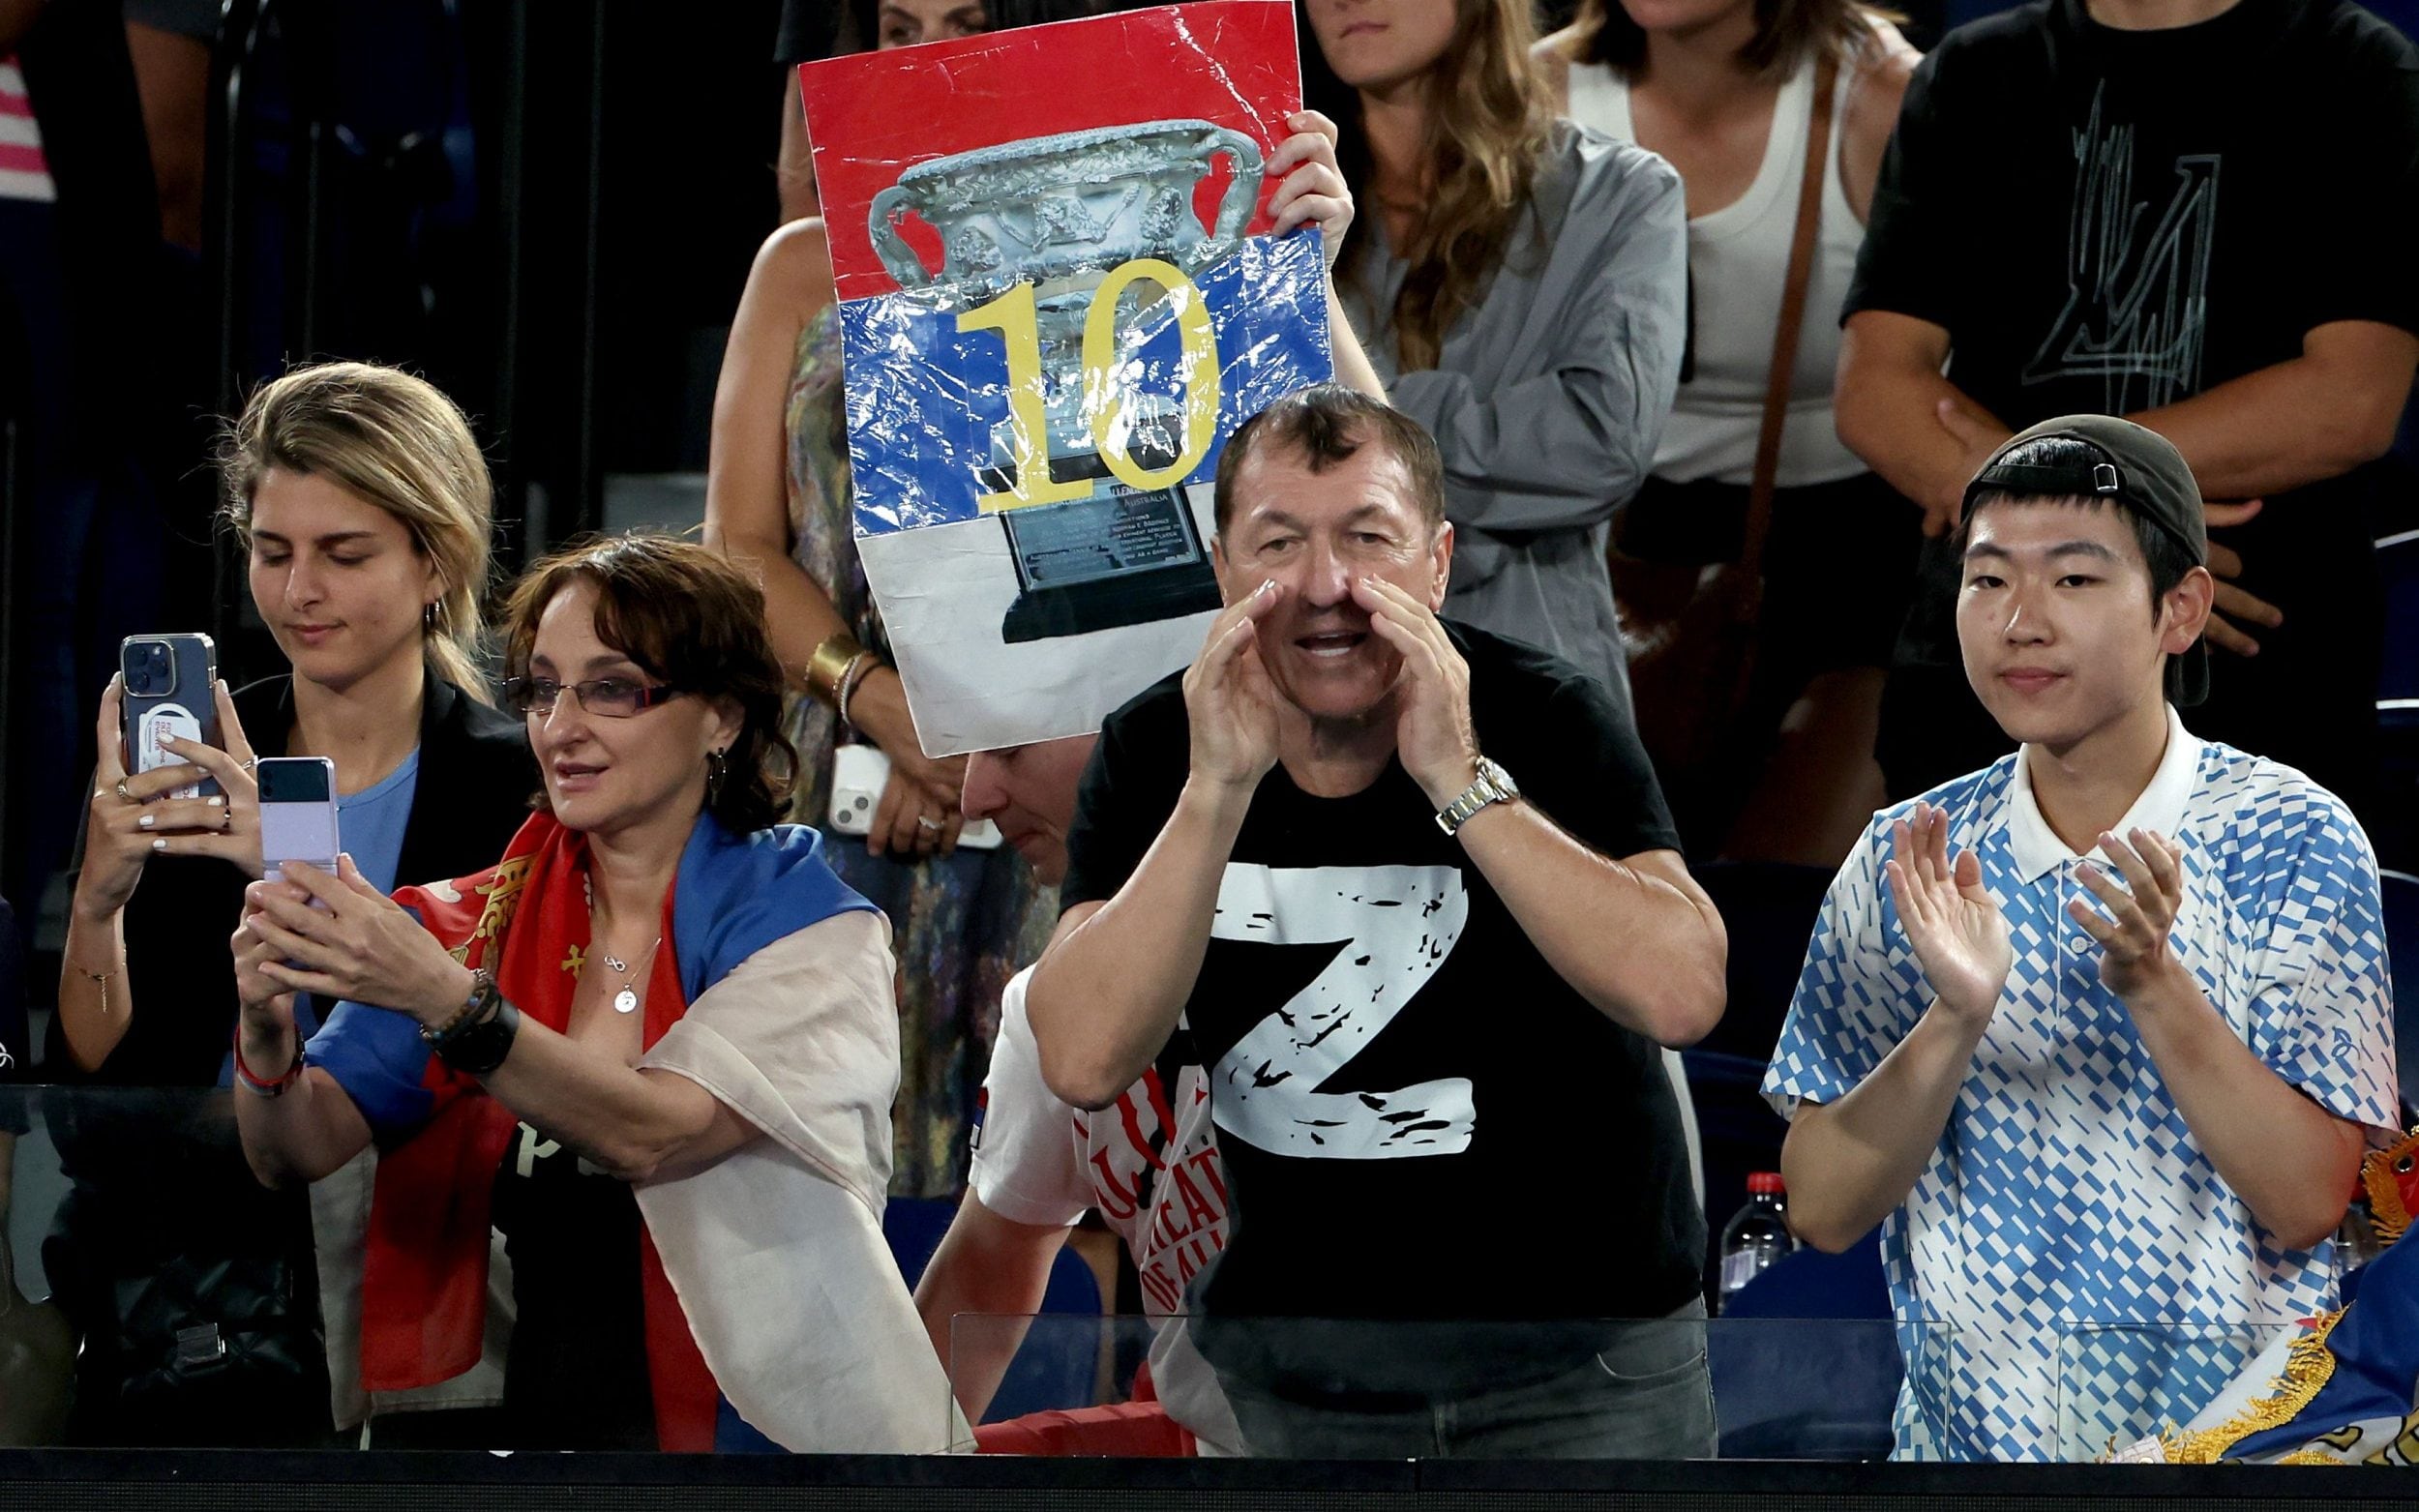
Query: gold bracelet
[830, 663]
[859, 671]
[100, 980]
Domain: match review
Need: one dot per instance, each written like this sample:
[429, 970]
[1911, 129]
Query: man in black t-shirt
[2207, 227]
[1428, 997]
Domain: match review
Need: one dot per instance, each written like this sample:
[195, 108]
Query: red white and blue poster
[1058, 301]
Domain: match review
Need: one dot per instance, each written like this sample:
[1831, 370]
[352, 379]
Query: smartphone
[858, 775]
[297, 812]
[170, 689]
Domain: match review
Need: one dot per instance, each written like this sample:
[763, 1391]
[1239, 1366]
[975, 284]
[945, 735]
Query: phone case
[169, 689]
[858, 775]
[300, 831]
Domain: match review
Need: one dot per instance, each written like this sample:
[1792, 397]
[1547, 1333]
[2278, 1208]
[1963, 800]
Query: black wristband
[478, 1048]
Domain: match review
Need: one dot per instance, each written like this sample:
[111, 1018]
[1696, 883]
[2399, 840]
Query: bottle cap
[1764, 1182]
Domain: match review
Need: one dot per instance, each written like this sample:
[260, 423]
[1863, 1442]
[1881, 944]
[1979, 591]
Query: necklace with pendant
[625, 1000]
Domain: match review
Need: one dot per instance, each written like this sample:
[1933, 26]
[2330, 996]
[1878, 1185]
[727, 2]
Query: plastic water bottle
[2356, 1241]
[1756, 1236]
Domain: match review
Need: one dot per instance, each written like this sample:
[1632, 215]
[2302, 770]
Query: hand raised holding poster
[1055, 309]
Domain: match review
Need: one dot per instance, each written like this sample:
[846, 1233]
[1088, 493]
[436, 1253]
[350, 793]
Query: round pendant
[626, 1001]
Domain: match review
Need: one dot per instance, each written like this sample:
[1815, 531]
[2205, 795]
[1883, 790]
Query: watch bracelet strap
[1484, 790]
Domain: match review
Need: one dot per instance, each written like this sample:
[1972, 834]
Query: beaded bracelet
[481, 1000]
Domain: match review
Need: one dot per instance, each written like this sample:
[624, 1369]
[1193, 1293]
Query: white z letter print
[1391, 926]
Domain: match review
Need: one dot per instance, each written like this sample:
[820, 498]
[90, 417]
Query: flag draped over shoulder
[2343, 1389]
[765, 1278]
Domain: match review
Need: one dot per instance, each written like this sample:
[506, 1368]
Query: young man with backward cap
[2098, 1033]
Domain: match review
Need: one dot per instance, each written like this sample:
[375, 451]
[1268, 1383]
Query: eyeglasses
[606, 697]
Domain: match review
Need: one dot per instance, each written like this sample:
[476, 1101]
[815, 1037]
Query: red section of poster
[886, 111]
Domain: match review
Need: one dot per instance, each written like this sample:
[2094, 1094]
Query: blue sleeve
[2322, 1014]
[1858, 995]
[378, 1056]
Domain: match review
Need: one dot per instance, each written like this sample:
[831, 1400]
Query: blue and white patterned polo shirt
[2070, 1267]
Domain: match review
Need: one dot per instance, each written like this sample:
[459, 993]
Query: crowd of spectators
[1952, 480]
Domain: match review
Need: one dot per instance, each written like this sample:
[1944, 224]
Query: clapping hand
[2133, 934]
[1433, 734]
[1954, 925]
[1229, 698]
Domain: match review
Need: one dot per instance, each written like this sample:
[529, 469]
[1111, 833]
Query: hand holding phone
[135, 816]
[858, 775]
[169, 685]
[364, 947]
[297, 813]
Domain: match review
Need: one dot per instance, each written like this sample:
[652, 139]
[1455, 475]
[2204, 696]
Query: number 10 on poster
[1107, 384]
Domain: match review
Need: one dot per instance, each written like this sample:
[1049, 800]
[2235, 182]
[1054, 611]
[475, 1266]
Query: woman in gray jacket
[1522, 291]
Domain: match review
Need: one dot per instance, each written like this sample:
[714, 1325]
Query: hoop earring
[717, 767]
[428, 619]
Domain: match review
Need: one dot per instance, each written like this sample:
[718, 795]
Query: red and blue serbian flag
[767, 1285]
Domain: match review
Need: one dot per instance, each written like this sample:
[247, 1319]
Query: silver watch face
[1490, 772]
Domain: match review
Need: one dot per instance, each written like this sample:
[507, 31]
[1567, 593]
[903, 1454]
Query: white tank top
[1738, 263]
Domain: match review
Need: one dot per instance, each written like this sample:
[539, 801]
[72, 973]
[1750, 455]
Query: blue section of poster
[929, 403]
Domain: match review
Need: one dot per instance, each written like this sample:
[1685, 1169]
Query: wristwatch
[1492, 785]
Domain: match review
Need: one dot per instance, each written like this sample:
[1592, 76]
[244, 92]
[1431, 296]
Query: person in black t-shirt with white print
[1428, 998]
[2199, 215]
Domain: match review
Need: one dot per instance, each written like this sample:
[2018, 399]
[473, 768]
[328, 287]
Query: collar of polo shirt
[2037, 849]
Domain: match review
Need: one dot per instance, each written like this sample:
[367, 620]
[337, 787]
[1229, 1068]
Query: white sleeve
[1025, 1164]
[801, 1039]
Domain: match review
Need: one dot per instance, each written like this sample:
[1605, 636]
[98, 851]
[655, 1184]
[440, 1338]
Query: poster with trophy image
[1058, 301]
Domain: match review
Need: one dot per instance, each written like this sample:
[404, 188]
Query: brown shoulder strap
[1792, 317]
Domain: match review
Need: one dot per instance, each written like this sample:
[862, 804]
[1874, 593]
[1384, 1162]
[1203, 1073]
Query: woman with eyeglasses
[361, 501]
[654, 1047]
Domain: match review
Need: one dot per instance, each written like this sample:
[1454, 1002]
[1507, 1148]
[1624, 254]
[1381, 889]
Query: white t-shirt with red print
[1149, 1162]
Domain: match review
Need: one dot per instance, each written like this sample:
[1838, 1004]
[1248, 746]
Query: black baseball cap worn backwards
[2136, 466]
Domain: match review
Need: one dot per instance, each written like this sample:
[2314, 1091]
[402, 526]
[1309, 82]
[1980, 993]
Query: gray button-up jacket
[1551, 391]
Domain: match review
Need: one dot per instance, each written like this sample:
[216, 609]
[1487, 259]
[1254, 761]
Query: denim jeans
[1647, 1396]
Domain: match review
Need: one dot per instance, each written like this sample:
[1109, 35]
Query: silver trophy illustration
[1061, 212]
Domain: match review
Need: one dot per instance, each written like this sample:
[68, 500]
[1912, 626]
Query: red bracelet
[255, 1085]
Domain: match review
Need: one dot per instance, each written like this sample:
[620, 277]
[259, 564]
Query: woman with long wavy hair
[1521, 289]
[1735, 94]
